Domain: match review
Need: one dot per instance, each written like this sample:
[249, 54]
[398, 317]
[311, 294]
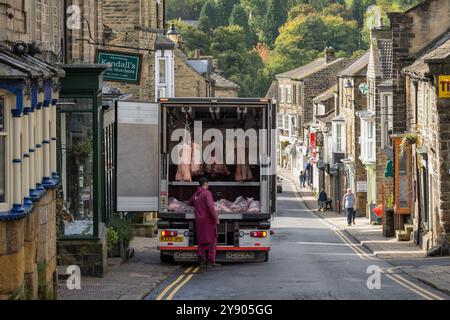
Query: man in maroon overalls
[206, 221]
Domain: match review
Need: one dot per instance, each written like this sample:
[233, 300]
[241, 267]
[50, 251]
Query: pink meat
[184, 167]
[255, 206]
[243, 173]
[177, 206]
[240, 205]
[196, 163]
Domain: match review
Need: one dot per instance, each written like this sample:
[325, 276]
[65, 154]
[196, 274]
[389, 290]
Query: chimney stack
[329, 54]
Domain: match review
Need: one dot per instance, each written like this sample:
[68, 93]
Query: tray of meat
[240, 205]
[254, 206]
[180, 207]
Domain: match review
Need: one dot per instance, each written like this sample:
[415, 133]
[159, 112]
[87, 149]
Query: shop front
[81, 167]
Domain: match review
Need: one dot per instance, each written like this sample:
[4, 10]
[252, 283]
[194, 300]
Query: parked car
[279, 185]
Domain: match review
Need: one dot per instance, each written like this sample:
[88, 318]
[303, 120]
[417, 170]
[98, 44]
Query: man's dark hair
[203, 181]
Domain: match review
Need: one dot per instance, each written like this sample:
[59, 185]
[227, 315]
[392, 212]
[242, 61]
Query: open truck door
[138, 140]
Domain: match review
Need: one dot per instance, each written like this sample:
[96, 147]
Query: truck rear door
[137, 156]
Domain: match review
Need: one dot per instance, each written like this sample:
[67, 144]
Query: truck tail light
[169, 233]
[258, 234]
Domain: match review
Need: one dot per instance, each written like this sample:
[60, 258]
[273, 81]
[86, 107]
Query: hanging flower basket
[408, 140]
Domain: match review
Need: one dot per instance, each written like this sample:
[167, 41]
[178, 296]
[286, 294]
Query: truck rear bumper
[224, 254]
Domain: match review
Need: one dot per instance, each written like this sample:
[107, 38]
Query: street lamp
[173, 34]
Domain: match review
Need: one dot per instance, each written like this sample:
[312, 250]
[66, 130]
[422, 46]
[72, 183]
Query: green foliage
[184, 9]
[123, 229]
[112, 237]
[208, 17]
[276, 16]
[239, 17]
[193, 38]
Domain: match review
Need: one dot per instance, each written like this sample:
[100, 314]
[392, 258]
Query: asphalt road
[309, 261]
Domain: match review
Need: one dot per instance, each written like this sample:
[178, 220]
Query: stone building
[377, 121]
[121, 26]
[223, 88]
[297, 89]
[352, 99]
[192, 77]
[428, 103]
[29, 92]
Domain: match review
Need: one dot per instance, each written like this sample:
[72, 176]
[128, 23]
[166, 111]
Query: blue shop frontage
[29, 93]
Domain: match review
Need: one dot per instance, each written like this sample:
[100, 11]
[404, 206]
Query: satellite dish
[364, 88]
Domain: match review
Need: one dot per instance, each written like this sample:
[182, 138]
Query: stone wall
[315, 85]
[37, 20]
[413, 31]
[28, 253]
[188, 82]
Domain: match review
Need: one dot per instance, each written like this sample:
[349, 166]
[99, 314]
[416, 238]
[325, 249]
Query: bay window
[339, 136]
[282, 94]
[3, 138]
[289, 94]
[280, 121]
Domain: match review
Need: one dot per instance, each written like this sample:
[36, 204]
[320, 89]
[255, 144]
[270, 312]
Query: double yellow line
[187, 275]
[424, 293]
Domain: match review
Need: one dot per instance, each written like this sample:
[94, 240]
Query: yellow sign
[444, 86]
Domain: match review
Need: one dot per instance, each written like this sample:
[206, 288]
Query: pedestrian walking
[302, 179]
[323, 198]
[349, 206]
[206, 221]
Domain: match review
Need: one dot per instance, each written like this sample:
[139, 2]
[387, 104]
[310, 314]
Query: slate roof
[13, 66]
[308, 69]
[326, 95]
[438, 51]
[327, 117]
[221, 82]
[357, 68]
[163, 43]
[201, 66]
[386, 58]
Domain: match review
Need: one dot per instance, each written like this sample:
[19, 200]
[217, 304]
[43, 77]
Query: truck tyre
[266, 259]
[166, 258]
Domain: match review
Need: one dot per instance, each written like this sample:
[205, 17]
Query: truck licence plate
[169, 239]
[240, 255]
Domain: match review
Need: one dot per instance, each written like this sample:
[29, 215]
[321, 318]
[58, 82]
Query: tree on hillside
[224, 9]
[208, 17]
[301, 10]
[193, 38]
[239, 17]
[276, 16]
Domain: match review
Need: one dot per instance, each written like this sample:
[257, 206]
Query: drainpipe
[65, 34]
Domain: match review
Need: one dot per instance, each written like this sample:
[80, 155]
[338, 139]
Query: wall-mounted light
[174, 35]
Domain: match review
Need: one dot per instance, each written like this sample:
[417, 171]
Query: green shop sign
[124, 67]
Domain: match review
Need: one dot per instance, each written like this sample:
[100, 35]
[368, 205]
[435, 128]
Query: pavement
[132, 280]
[403, 255]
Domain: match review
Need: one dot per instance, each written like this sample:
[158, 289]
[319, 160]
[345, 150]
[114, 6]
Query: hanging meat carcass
[196, 162]
[184, 163]
[243, 171]
[213, 166]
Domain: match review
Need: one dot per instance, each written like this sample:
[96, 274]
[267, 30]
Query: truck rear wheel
[267, 257]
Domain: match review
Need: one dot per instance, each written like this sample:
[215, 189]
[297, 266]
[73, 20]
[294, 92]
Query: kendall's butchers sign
[124, 67]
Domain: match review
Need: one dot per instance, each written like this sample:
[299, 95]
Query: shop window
[402, 177]
[3, 138]
[77, 158]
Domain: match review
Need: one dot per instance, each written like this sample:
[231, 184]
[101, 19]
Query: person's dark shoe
[349, 225]
[203, 265]
[214, 265]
